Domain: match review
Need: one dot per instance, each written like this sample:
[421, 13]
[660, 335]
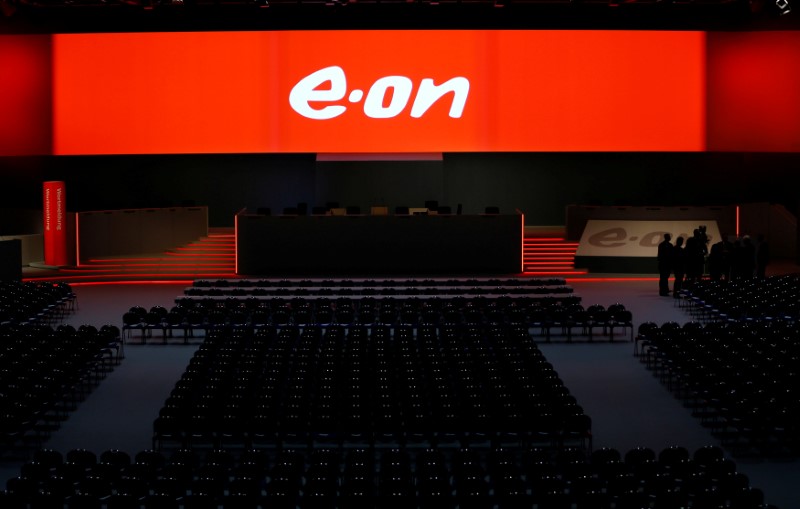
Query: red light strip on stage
[522, 258]
[134, 275]
[114, 260]
[203, 248]
[552, 258]
[550, 264]
[553, 273]
[609, 279]
[110, 283]
[77, 240]
[552, 244]
[236, 240]
[216, 256]
[133, 266]
[737, 221]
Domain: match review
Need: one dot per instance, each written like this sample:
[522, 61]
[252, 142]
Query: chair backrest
[131, 318]
[615, 308]
[159, 310]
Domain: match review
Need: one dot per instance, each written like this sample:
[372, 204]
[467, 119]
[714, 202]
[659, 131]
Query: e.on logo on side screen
[387, 97]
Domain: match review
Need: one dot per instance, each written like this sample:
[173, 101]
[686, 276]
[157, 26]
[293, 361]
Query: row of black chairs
[547, 318]
[35, 302]
[381, 283]
[740, 378]
[772, 298]
[376, 386]
[44, 372]
[378, 291]
[394, 478]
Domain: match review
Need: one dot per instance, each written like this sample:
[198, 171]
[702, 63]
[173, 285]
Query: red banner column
[55, 223]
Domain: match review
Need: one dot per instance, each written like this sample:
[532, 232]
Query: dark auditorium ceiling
[58, 16]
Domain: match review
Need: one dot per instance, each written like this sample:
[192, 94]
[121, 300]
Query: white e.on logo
[305, 92]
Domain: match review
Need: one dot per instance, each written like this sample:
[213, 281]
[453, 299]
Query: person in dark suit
[665, 260]
[716, 261]
[696, 251]
[678, 266]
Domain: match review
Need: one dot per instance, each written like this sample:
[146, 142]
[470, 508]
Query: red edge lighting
[737, 220]
[608, 279]
[522, 243]
[236, 243]
[109, 283]
[77, 240]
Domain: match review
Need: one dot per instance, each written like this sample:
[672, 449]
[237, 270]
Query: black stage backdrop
[539, 184]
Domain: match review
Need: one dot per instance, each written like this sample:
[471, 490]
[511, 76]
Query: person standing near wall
[716, 261]
[665, 260]
[678, 266]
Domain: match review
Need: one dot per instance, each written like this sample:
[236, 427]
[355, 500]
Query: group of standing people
[737, 259]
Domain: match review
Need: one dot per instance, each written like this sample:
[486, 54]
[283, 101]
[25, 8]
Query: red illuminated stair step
[549, 256]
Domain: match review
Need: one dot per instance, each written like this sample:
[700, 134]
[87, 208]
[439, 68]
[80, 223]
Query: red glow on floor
[77, 240]
[114, 260]
[212, 250]
[549, 264]
[166, 265]
[610, 279]
[522, 258]
[552, 246]
[209, 257]
[554, 273]
[236, 243]
[123, 277]
[109, 283]
[556, 258]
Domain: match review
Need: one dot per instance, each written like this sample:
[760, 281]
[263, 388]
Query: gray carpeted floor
[627, 404]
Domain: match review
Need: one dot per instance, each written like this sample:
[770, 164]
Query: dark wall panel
[375, 245]
[226, 183]
[542, 185]
[10, 260]
[385, 183]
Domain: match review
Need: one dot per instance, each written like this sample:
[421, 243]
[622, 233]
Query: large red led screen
[399, 91]
[754, 91]
[25, 99]
[378, 91]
